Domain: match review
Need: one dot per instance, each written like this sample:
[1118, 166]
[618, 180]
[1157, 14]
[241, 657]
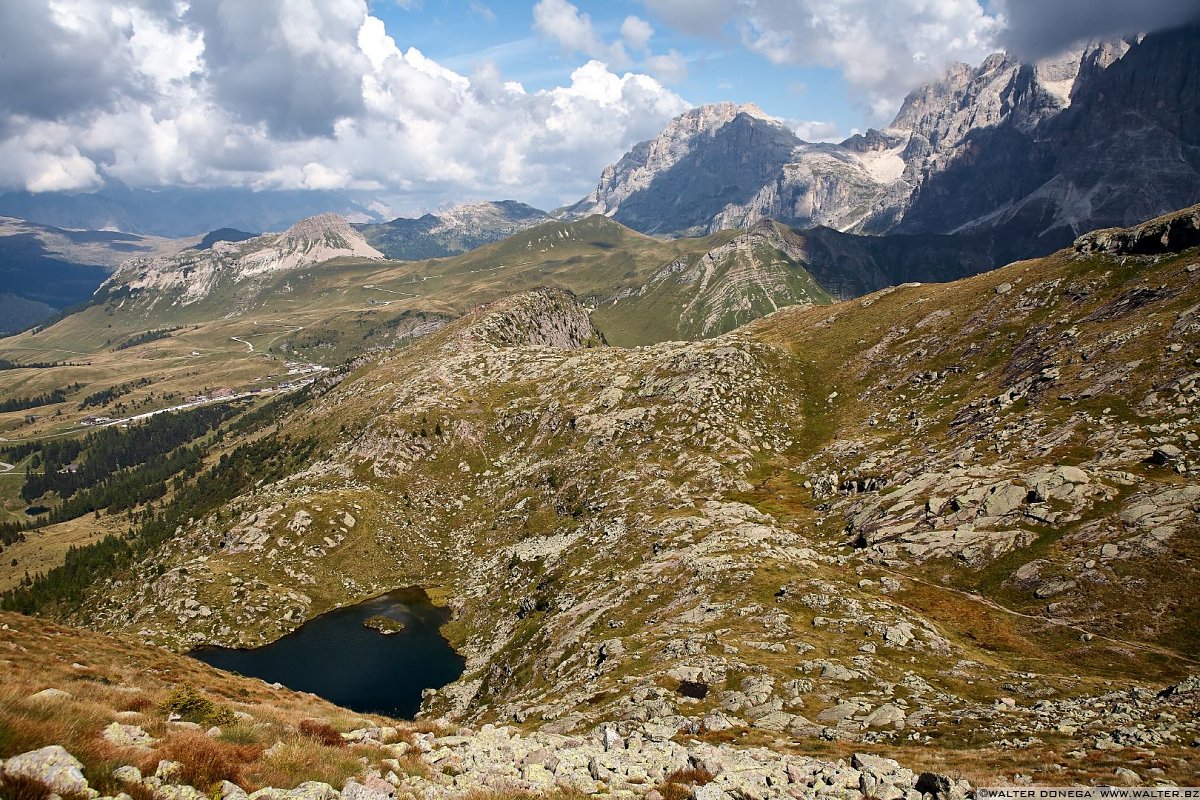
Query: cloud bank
[295, 94]
[314, 94]
[884, 50]
[1036, 28]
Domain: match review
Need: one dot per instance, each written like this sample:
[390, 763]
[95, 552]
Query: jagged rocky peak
[638, 168]
[543, 316]
[1029, 154]
[1001, 89]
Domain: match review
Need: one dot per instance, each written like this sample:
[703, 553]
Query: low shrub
[191, 706]
[206, 762]
[323, 732]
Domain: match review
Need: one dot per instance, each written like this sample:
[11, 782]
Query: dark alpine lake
[339, 658]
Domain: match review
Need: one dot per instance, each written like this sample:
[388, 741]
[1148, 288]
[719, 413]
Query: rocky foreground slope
[87, 716]
[957, 517]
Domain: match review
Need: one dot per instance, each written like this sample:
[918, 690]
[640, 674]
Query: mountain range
[1030, 155]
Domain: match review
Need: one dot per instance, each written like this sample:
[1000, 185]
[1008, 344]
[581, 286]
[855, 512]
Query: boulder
[127, 774]
[231, 791]
[1126, 777]
[126, 735]
[1004, 499]
[886, 716]
[168, 771]
[315, 790]
[51, 765]
[932, 783]
[353, 790]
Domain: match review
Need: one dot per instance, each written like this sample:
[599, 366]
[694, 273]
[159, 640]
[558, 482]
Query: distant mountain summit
[194, 275]
[457, 230]
[1032, 154]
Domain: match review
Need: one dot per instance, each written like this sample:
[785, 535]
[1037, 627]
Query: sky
[426, 103]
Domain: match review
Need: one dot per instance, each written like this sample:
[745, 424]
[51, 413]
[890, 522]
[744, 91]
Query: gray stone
[127, 774]
[231, 791]
[353, 790]
[51, 765]
[1004, 499]
[126, 735]
[1126, 777]
[886, 716]
[315, 790]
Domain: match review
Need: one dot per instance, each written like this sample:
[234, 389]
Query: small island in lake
[384, 624]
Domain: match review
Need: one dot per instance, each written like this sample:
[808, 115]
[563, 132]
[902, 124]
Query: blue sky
[459, 34]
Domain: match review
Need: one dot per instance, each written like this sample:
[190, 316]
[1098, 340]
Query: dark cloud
[49, 70]
[1039, 28]
[299, 74]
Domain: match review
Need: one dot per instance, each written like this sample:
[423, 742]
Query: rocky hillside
[451, 232]
[1030, 155]
[89, 716]
[951, 518]
[194, 275]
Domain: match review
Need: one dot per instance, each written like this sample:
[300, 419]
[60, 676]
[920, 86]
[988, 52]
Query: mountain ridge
[1032, 154]
[451, 232]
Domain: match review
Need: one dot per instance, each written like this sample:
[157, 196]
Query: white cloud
[562, 22]
[637, 33]
[482, 11]
[298, 94]
[1036, 29]
[669, 67]
[565, 24]
[883, 50]
[41, 158]
[817, 131]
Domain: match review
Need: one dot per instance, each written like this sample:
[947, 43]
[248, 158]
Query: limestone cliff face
[194, 275]
[1032, 154]
[541, 317]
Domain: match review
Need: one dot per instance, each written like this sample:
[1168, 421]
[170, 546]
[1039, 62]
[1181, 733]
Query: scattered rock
[51, 765]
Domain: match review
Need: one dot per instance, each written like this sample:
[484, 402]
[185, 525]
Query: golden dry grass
[290, 740]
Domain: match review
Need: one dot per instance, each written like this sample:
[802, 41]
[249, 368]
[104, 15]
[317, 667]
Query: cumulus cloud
[668, 67]
[637, 32]
[294, 94]
[565, 24]
[1036, 28]
[817, 131]
[882, 49]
